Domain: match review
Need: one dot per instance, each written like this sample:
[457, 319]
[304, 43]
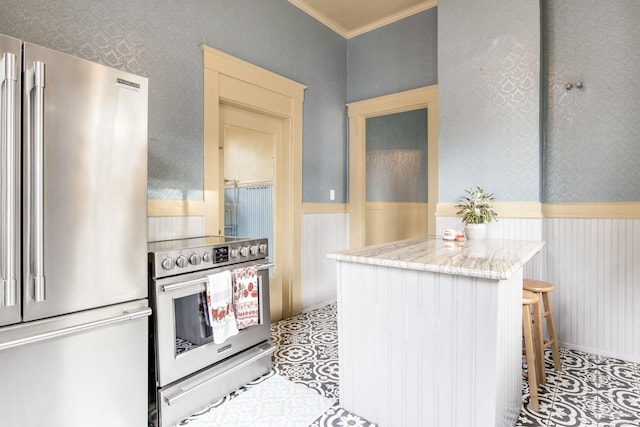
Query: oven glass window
[191, 325]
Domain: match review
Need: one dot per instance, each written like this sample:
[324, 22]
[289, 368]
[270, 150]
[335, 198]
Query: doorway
[251, 143]
[389, 199]
[236, 88]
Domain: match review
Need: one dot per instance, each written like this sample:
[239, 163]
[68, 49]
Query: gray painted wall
[488, 68]
[394, 58]
[592, 143]
[160, 40]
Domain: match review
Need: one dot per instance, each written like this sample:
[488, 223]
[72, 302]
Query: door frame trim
[230, 80]
[359, 112]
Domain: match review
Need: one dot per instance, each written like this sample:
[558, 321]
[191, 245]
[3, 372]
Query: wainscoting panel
[595, 267]
[174, 227]
[321, 233]
[504, 228]
[593, 263]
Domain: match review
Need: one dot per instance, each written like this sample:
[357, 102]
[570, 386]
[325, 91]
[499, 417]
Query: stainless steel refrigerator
[73, 237]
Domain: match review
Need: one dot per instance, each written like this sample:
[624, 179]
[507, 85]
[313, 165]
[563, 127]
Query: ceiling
[350, 18]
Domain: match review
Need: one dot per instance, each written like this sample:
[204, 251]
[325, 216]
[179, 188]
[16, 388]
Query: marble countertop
[487, 258]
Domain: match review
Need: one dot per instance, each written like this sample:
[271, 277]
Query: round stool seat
[537, 286]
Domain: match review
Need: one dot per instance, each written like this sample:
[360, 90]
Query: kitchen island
[430, 331]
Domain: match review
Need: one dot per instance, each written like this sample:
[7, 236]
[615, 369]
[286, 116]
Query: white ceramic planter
[475, 231]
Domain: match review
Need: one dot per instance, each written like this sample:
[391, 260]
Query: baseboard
[599, 351]
[319, 305]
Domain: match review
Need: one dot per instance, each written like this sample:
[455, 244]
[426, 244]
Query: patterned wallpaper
[593, 138]
[134, 36]
[488, 76]
[490, 94]
[160, 39]
[394, 58]
[487, 65]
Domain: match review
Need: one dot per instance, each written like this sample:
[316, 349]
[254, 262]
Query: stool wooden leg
[531, 357]
[551, 330]
[538, 338]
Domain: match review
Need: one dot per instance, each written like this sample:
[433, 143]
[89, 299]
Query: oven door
[183, 341]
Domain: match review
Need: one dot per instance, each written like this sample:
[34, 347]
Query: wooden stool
[542, 289]
[530, 301]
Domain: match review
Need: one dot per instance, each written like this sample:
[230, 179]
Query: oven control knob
[262, 248]
[235, 253]
[181, 261]
[167, 263]
[195, 259]
[206, 257]
[254, 250]
[244, 251]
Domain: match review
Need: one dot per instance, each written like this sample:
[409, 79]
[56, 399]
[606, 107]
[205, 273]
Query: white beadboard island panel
[438, 344]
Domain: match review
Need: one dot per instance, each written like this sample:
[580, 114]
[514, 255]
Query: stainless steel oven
[188, 369]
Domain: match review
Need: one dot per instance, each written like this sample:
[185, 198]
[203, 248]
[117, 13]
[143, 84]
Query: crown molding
[323, 19]
[392, 18]
[300, 4]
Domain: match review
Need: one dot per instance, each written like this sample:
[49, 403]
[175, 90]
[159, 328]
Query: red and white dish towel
[220, 306]
[245, 296]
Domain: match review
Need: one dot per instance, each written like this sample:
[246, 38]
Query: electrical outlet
[332, 194]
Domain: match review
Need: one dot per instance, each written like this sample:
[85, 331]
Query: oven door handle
[266, 266]
[176, 286]
[184, 392]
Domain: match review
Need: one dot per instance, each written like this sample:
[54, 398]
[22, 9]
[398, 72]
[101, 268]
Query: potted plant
[476, 211]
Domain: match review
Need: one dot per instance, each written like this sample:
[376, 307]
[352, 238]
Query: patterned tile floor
[590, 391]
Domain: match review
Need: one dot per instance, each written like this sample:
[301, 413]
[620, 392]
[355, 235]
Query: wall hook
[578, 85]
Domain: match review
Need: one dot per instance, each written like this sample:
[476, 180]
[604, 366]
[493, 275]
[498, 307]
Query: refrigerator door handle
[36, 83]
[47, 335]
[9, 76]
